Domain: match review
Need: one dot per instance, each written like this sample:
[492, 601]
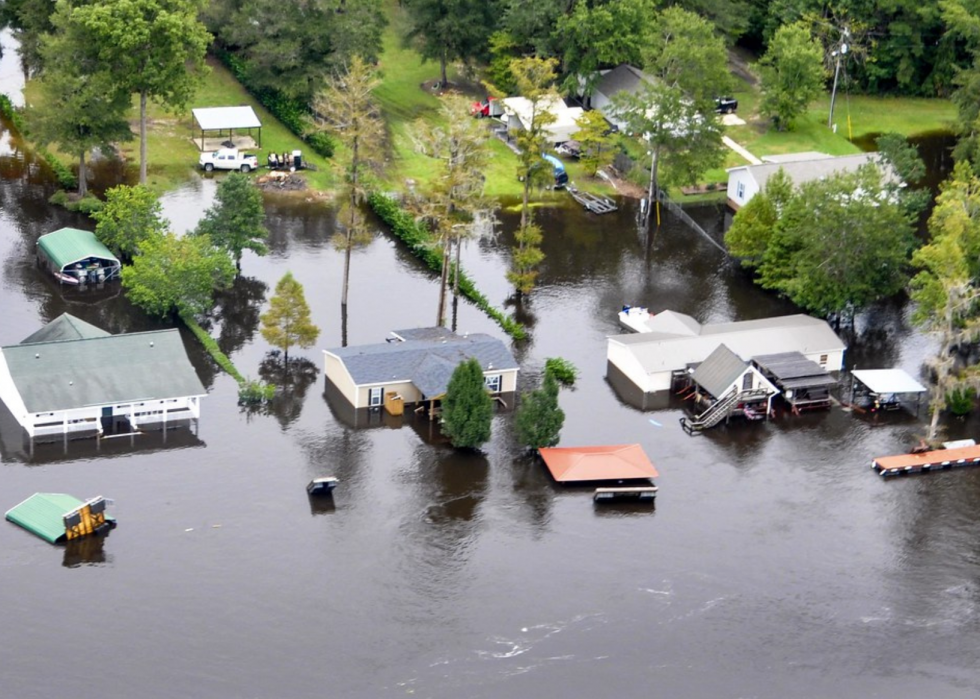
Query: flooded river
[776, 564]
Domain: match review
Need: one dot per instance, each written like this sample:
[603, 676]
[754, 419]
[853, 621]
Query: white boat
[634, 319]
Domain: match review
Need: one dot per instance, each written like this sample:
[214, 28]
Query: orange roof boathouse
[622, 462]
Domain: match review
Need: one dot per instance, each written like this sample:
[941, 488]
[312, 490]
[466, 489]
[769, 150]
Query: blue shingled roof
[425, 356]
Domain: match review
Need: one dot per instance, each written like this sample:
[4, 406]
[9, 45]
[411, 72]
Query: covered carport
[883, 389]
[227, 119]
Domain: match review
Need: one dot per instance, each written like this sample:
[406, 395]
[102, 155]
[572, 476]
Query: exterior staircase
[719, 410]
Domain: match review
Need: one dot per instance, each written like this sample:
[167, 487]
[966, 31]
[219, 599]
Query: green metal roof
[43, 514]
[109, 370]
[69, 245]
[65, 327]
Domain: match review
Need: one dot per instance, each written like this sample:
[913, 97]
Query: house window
[740, 190]
[492, 383]
[747, 381]
[375, 396]
[823, 360]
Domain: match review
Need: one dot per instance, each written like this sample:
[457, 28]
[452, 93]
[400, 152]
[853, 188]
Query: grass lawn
[908, 116]
[172, 155]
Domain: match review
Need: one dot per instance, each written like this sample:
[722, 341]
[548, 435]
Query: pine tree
[539, 419]
[287, 322]
[467, 408]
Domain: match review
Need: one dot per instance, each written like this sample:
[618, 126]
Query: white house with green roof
[76, 257]
[72, 378]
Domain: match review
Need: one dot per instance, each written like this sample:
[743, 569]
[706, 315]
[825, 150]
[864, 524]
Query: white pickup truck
[228, 159]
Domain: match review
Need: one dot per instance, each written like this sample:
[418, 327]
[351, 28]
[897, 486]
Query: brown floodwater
[775, 564]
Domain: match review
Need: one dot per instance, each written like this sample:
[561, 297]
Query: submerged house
[76, 257]
[650, 362]
[71, 378]
[414, 366]
[745, 181]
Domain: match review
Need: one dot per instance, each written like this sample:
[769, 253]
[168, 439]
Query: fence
[679, 212]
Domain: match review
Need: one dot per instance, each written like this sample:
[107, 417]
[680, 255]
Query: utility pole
[840, 53]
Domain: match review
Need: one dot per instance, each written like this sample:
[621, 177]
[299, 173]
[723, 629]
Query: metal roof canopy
[217, 118]
[66, 246]
[888, 381]
[230, 118]
[43, 514]
[620, 462]
[794, 370]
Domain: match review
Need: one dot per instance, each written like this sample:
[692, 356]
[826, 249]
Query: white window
[740, 190]
[747, 381]
[492, 383]
[375, 397]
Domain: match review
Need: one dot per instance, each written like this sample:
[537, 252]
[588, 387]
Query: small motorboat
[322, 486]
[634, 318]
[66, 278]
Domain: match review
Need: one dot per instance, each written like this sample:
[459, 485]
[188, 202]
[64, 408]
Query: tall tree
[293, 47]
[455, 202]
[675, 112]
[81, 108]
[597, 35]
[539, 419]
[450, 30]
[535, 79]
[840, 243]
[792, 74]
[347, 109]
[131, 215]
[467, 409]
[945, 290]
[236, 221]
[287, 322]
[595, 141]
[155, 47]
[684, 140]
[177, 275]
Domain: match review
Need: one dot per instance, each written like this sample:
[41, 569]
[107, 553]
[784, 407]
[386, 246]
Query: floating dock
[322, 486]
[591, 202]
[938, 460]
[640, 493]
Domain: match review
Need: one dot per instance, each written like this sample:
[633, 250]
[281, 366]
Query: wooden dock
[642, 493]
[591, 202]
[925, 462]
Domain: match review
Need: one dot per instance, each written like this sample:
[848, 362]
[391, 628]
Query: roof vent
[71, 383]
[37, 356]
[151, 343]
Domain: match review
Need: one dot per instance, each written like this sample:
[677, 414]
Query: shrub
[59, 198]
[86, 205]
[960, 401]
[253, 392]
[321, 143]
[563, 371]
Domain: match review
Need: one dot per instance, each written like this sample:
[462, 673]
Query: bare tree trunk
[934, 423]
[143, 137]
[443, 281]
[442, 69]
[456, 271]
[653, 190]
[350, 226]
[82, 176]
[343, 326]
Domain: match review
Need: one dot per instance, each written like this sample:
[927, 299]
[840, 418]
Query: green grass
[172, 154]
[868, 114]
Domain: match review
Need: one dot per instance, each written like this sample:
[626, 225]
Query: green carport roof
[69, 245]
[43, 514]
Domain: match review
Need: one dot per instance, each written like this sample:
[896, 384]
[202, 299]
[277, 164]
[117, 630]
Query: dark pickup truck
[726, 105]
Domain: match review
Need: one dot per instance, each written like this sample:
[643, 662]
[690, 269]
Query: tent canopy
[220, 118]
[888, 381]
[606, 463]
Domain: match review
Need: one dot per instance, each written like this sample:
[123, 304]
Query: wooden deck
[591, 202]
[643, 493]
[939, 460]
